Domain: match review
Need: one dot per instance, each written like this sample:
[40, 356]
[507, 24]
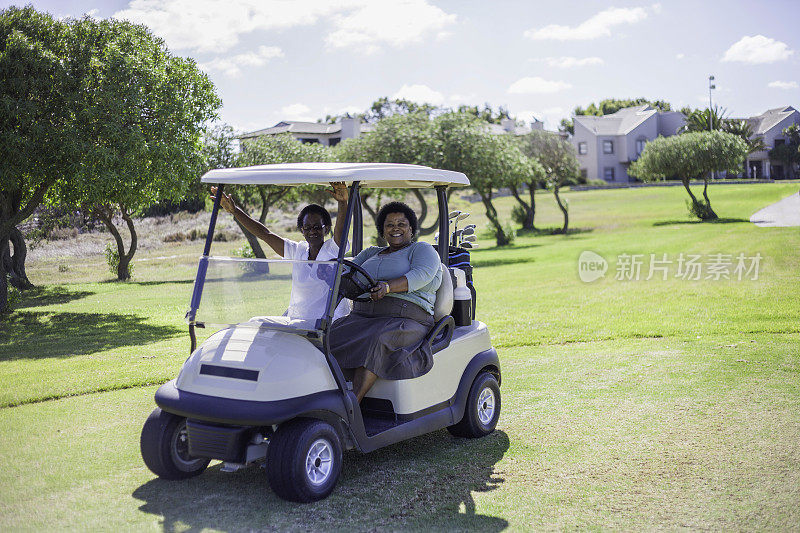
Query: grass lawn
[644, 404]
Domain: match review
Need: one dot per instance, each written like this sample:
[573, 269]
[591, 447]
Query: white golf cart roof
[371, 175]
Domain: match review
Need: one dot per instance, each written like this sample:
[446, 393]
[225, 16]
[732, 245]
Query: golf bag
[459, 258]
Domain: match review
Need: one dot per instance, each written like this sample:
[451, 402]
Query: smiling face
[314, 229]
[397, 230]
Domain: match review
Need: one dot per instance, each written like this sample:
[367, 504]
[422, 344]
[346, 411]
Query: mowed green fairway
[630, 405]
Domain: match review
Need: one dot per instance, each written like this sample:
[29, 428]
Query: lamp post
[711, 85]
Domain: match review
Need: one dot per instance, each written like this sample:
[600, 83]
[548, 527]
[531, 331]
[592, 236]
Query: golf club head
[466, 245]
[461, 216]
[454, 214]
[470, 226]
[468, 231]
[470, 238]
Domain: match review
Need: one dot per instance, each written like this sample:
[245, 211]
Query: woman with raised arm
[309, 282]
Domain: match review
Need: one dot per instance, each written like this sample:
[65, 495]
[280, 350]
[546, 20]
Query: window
[584, 174]
[640, 145]
[608, 173]
[305, 140]
[779, 142]
[334, 141]
[608, 147]
[583, 148]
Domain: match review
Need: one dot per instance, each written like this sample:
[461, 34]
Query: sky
[274, 60]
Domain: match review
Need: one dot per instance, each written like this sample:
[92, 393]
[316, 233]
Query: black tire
[304, 460]
[165, 447]
[482, 409]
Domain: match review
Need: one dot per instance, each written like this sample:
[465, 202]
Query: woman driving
[384, 337]
[310, 283]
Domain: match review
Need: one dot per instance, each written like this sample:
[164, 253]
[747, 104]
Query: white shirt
[311, 283]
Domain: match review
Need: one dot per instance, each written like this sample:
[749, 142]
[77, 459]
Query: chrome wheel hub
[486, 403]
[319, 462]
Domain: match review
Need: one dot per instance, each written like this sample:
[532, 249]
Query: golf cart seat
[442, 332]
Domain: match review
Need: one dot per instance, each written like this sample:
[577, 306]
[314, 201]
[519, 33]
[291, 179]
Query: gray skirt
[385, 337]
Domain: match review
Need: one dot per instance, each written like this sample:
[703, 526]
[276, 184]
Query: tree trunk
[563, 210]
[3, 279]
[527, 223]
[14, 264]
[491, 213]
[252, 240]
[710, 214]
[106, 213]
[423, 213]
[380, 241]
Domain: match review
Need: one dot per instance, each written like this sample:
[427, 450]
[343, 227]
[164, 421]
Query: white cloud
[421, 94]
[679, 56]
[783, 85]
[597, 26]
[757, 49]
[296, 112]
[214, 26]
[573, 62]
[232, 66]
[537, 85]
[396, 23]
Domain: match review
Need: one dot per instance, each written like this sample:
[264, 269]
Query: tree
[691, 155]
[558, 162]
[142, 115]
[533, 180]
[706, 119]
[465, 144]
[400, 138]
[271, 149]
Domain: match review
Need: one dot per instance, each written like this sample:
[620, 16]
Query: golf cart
[266, 387]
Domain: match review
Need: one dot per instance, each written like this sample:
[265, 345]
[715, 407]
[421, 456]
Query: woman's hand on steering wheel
[350, 283]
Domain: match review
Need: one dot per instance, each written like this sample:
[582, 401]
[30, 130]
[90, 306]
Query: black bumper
[325, 405]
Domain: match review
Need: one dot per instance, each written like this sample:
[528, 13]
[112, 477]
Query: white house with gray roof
[607, 145]
[313, 132]
[769, 126]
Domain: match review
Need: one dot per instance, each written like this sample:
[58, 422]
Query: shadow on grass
[34, 335]
[717, 221]
[500, 261]
[552, 231]
[49, 295]
[423, 483]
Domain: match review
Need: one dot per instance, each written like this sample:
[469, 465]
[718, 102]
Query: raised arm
[253, 226]
[339, 194]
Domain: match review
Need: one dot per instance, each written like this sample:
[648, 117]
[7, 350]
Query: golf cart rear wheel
[165, 447]
[482, 409]
[304, 460]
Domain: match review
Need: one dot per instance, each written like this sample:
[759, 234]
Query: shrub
[178, 236]
[112, 258]
[223, 236]
[518, 214]
[62, 234]
[63, 268]
[245, 251]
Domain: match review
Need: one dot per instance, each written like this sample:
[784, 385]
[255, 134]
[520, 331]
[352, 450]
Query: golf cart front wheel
[165, 447]
[304, 460]
[482, 409]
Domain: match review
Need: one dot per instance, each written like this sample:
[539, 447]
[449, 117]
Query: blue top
[418, 262]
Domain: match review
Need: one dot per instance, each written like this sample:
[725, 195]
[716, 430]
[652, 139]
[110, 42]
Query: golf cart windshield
[258, 292]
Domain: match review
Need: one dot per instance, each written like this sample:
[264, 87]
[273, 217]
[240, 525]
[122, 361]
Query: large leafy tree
[400, 138]
[691, 155]
[41, 66]
[143, 118]
[465, 144]
[270, 150]
[557, 161]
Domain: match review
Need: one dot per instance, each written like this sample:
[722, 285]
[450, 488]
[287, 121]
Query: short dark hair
[396, 207]
[314, 208]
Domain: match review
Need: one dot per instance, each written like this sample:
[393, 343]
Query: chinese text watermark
[685, 266]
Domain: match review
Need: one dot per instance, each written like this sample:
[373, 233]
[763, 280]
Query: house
[769, 126]
[607, 145]
[313, 132]
[510, 126]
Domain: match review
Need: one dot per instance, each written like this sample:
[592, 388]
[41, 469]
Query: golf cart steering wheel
[350, 286]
